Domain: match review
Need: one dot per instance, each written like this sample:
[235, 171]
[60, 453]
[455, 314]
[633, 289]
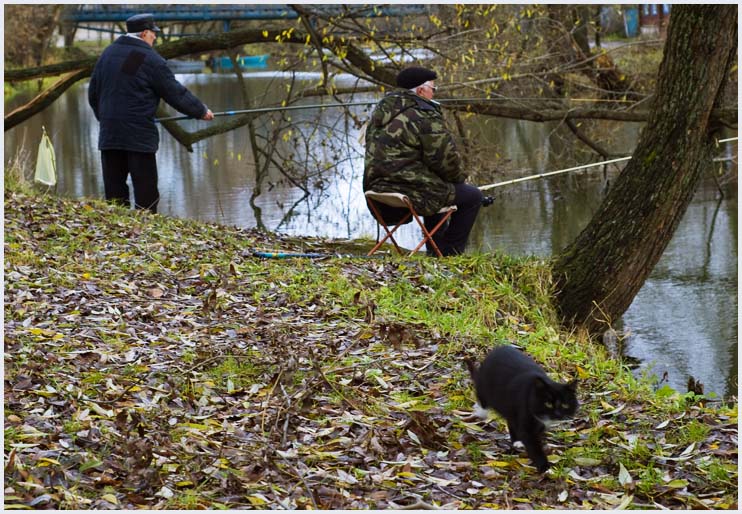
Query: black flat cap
[410, 78]
[141, 22]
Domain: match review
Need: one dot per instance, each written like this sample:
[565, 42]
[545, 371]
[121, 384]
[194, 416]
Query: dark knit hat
[141, 22]
[410, 78]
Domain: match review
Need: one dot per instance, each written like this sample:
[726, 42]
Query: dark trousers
[451, 239]
[118, 164]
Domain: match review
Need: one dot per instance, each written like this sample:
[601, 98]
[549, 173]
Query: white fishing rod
[567, 170]
[551, 173]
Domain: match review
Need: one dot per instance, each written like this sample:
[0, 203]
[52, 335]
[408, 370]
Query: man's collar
[412, 92]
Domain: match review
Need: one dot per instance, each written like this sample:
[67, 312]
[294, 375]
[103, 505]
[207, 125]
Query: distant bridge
[227, 13]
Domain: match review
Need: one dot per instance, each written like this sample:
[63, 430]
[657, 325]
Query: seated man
[410, 151]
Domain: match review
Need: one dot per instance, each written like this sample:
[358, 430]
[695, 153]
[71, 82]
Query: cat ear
[573, 384]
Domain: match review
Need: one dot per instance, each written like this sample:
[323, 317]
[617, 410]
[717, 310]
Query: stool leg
[427, 235]
[389, 234]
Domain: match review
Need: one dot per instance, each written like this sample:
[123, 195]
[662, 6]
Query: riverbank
[154, 362]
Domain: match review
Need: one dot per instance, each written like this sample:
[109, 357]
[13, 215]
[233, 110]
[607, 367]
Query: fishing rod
[268, 109]
[575, 168]
[288, 255]
[319, 106]
[551, 173]
[310, 255]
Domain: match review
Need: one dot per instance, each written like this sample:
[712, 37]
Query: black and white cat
[512, 384]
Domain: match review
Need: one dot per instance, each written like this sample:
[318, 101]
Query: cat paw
[480, 412]
[518, 445]
[543, 467]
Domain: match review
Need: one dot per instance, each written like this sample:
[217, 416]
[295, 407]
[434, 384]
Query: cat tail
[472, 367]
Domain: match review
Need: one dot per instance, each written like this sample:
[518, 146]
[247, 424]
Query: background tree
[600, 273]
[32, 28]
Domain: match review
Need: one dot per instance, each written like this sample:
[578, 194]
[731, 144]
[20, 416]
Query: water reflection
[699, 269]
[683, 321]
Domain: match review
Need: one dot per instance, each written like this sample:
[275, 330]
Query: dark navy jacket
[125, 89]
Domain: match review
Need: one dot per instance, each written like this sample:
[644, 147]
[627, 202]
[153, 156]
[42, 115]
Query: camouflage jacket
[410, 151]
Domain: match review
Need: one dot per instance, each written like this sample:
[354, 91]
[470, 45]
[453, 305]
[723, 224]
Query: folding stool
[400, 200]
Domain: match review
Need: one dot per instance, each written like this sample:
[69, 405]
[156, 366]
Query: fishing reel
[487, 201]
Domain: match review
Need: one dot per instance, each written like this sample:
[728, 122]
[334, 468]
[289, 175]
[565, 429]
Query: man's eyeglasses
[434, 88]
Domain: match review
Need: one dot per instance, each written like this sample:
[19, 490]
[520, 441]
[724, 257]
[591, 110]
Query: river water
[682, 323]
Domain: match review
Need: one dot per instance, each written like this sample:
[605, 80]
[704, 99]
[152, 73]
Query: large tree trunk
[598, 275]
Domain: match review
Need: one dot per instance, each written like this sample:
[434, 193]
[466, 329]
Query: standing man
[409, 150]
[125, 90]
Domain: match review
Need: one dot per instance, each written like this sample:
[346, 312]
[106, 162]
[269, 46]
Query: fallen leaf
[156, 292]
[624, 478]
[627, 500]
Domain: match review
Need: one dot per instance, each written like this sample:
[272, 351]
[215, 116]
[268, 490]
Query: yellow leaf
[677, 484]
[582, 374]
[110, 498]
[100, 410]
[258, 499]
[195, 426]
[43, 332]
[606, 406]
[498, 464]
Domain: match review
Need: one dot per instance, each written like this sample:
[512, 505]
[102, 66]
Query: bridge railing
[163, 13]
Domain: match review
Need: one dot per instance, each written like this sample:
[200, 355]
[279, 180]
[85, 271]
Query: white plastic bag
[46, 164]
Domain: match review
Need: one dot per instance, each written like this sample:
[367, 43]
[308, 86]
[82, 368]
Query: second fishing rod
[261, 110]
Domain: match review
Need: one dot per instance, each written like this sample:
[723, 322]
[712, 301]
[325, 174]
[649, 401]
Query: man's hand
[208, 116]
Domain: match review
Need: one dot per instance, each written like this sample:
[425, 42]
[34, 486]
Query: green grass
[235, 373]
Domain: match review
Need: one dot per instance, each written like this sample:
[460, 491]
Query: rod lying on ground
[288, 255]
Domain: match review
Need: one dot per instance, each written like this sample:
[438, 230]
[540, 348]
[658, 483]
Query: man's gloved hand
[488, 200]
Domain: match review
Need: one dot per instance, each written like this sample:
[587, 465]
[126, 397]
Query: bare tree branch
[43, 99]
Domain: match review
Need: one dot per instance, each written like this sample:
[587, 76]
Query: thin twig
[267, 400]
[310, 492]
